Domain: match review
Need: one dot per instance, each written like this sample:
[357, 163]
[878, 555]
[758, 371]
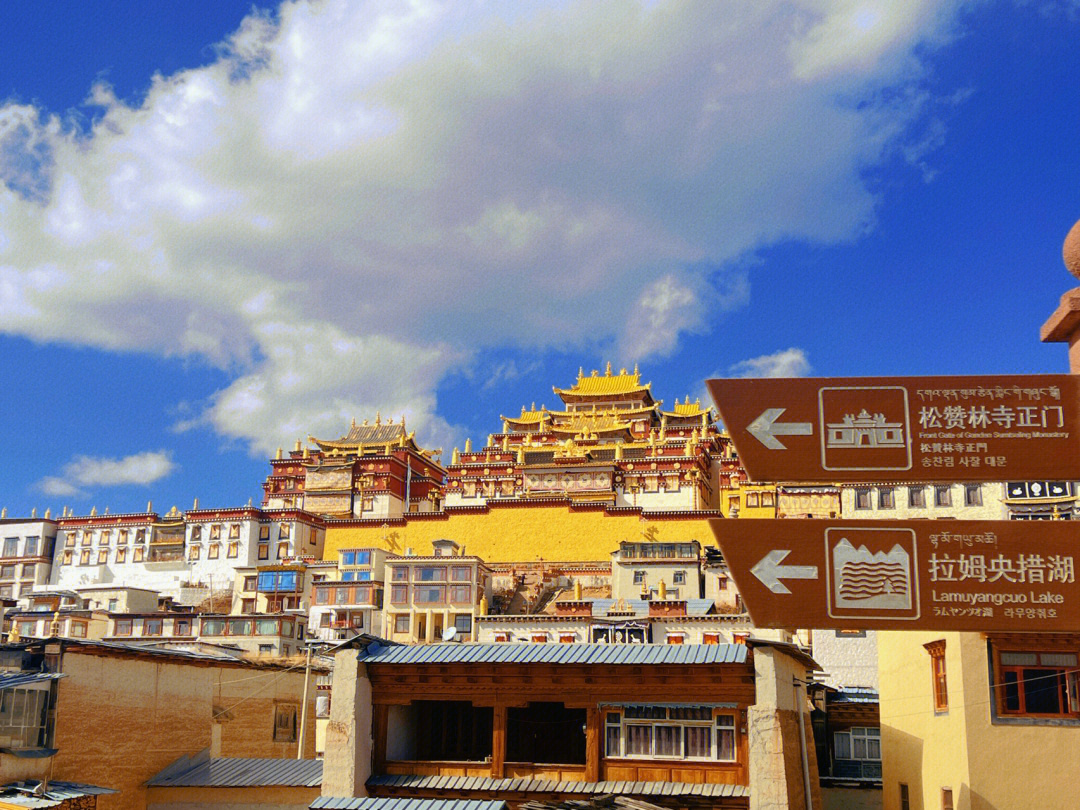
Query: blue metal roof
[399, 803]
[201, 771]
[549, 786]
[21, 678]
[21, 793]
[854, 694]
[609, 654]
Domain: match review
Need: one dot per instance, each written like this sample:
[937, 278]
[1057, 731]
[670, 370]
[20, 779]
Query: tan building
[917, 501]
[976, 721]
[26, 554]
[124, 713]
[56, 612]
[426, 596]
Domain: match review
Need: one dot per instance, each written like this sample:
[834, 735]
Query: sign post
[904, 429]
[977, 575]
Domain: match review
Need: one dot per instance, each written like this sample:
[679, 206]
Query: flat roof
[202, 771]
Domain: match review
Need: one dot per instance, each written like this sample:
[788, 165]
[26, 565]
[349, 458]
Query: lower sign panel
[918, 575]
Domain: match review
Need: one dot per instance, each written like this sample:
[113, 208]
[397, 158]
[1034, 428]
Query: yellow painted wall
[924, 749]
[988, 766]
[738, 496]
[521, 533]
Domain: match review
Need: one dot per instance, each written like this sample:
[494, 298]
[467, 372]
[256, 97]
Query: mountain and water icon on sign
[871, 580]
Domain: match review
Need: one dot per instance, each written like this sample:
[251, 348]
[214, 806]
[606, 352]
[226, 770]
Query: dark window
[545, 732]
[973, 495]
[916, 496]
[453, 730]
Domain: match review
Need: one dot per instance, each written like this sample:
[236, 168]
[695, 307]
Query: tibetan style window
[937, 673]
[140, 552]
[916, 497]
[639, 577]
[121, 555]
[151, 627]
[182, 627]
[196, 534]
[943, 496]
[233, 550]
[84, 558]
[123, 627]
[103, 556]
[285, 723]
[430, 573]
[78, 629]
[973, 495]
[1038, 684]
[103, 538]
[282, 550]
[322, 596]
[710, 638]
[886, 498]
[215, 531]
[676, 638]
[264, 551]
[463, 622]
[752, 500]
[264, 532]
[678, 578]
[670, 732]
[461, 594]
[214, 551]
[429, 594]
[401, 623]
[140, 535]
[400, 573]
[213, 627]
[193, 552]
[862, 498]
[567, 638]
[284, 531]
[87, 538]
[461, 573]
[234, 531]
[399, 594]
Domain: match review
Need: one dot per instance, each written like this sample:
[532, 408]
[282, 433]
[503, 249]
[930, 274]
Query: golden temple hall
[611, 443]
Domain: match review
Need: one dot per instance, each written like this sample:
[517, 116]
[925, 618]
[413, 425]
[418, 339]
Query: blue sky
[336, 208]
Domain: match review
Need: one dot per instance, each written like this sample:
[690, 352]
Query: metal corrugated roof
[21, 678]
[21, 793]
[400, 803]
[240, 772]
[548, 786]
[609, 654]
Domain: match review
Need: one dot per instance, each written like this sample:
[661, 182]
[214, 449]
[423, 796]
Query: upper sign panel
[852, 429]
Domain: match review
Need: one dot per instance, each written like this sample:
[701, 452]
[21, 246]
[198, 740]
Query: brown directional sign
[977, 575]
[851, 429]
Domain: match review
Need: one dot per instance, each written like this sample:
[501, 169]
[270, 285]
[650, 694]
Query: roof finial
[93, 511]
[249, 502]
[607, 369]
[279, 454]
[297, 445]
[195, 505]
[533, 406]
[352, 424]
[3, 512]
[622, 371]
[635, 370]
[468, 445]
[580, 372]
[33, 512]
[378, 418]
[149, 507]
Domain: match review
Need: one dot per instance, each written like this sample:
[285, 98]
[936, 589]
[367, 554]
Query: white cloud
[84, 473]
[355, 197]
[787, 363]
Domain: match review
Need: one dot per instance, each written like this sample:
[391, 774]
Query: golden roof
[606, 384]
[591, 423]
[364, 436]
[529, 416]
[687, 409]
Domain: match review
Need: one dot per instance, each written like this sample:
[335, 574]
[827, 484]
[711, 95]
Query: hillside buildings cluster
[545, 616]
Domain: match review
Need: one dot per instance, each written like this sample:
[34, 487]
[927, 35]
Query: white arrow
[770, 572]
[765, 428]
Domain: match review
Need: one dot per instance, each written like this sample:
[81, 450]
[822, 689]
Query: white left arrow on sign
[770, 571]
[765, 428]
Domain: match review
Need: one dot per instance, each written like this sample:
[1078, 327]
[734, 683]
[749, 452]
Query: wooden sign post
[904, 429]
[977, 575]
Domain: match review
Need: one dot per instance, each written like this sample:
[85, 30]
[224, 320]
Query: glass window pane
[1042, 694]
[638, 741]
[668, 741]
[1056, 659]
[1019, 659]
[1011, 685]
[613, 736]
[842, 745]
[698, 741]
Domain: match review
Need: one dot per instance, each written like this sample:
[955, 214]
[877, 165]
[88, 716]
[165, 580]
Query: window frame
[938, 676]
[722, 724]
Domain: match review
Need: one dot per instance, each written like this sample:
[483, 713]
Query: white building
[26, 554]
[185, 556]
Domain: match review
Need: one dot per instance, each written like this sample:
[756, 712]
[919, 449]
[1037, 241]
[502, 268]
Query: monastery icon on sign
[865, 431]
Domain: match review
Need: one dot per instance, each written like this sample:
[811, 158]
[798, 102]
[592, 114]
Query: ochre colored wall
[521, 533]
[922, 748]
[121, 720]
